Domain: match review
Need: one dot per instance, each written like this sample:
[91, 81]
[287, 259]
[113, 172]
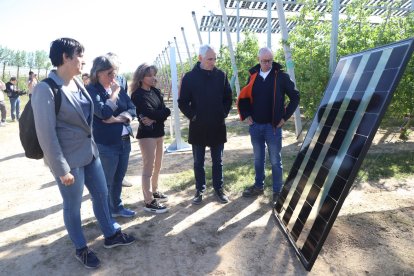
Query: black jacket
[150, 104]
[273, 99]
[11, 90]
[206, 99]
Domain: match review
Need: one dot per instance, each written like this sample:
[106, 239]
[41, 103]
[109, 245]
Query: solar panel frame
[320, 192]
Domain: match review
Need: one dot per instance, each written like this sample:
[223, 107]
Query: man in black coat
[206, 99]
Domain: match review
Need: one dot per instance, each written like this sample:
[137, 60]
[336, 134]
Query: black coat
[206, 99]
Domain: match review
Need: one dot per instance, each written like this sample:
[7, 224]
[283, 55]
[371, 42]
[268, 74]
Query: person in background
[31, 83]
[152, 114]
[70, 151]
[14, 97]
[206, 99]
[85, 79]
[261, 105]
[114, 111]
[2, 104]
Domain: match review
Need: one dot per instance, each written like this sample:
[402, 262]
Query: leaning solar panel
[341, 133]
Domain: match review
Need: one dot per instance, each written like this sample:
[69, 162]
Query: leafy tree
[19, 61]
[31, 60]
[41, 58]
[6, 57]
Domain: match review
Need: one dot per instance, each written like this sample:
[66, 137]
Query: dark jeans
[3, 110]
[114, 160]
[217, 169]
[15, 108]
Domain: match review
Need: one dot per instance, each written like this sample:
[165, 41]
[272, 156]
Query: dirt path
[372, 235]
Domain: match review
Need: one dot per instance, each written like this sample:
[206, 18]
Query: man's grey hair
[102, 63]
[264, 50]
[204, 49]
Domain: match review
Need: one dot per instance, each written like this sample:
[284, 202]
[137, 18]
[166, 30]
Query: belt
[125, 137]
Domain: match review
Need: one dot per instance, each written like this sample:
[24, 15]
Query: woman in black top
[152, 114]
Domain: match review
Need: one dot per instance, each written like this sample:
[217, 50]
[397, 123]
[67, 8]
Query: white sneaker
[2, 124]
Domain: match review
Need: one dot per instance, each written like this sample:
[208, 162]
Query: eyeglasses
[265, 61]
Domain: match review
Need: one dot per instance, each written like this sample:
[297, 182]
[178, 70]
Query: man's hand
[281, 123]
[68, 179]
[249, 120]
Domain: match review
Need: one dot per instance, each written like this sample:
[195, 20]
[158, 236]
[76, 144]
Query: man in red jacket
[261, 105]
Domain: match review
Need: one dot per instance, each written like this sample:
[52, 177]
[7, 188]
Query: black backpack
[27, 129]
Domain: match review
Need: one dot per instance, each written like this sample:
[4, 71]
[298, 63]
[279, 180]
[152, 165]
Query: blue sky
[137, 30]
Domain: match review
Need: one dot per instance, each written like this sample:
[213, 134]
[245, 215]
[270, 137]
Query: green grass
[240, 174]
[237, 176]
[387, 165]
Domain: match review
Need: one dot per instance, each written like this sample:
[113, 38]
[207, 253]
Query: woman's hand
[147, 121]
[68, 179]
[115, 88]
[117, 119]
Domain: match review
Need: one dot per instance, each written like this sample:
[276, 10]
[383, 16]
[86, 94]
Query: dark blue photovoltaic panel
[340, 135]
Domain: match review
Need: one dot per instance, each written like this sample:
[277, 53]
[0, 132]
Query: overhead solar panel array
[259, 24]
[378, 7]
[251, 24]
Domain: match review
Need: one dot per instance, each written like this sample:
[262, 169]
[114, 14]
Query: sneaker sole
[88, 267]
[155, 211]
[118, 244]
[124, 216]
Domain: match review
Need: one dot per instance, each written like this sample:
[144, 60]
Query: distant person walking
[14, 97]
[70, 151]
[206, 99]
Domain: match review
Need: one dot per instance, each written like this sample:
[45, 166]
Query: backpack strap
[56, 92]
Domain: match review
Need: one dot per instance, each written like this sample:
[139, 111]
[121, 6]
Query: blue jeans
[262, 135]
[199, 153]
[115, 160]
[15, 108]
[93, 177]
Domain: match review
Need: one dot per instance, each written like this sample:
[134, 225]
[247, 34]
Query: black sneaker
[87, 257]
[221, 196]
[118, 239]
[252, 191]
[160, 197]
[198, 198]
[155, 207]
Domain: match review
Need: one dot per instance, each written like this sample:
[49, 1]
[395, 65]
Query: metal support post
[198, 30]
[334, 36]
[230, 45]
[190, 60]
[289, 63]
[178, 144]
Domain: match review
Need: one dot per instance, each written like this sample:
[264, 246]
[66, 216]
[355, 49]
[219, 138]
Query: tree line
[35, 61]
